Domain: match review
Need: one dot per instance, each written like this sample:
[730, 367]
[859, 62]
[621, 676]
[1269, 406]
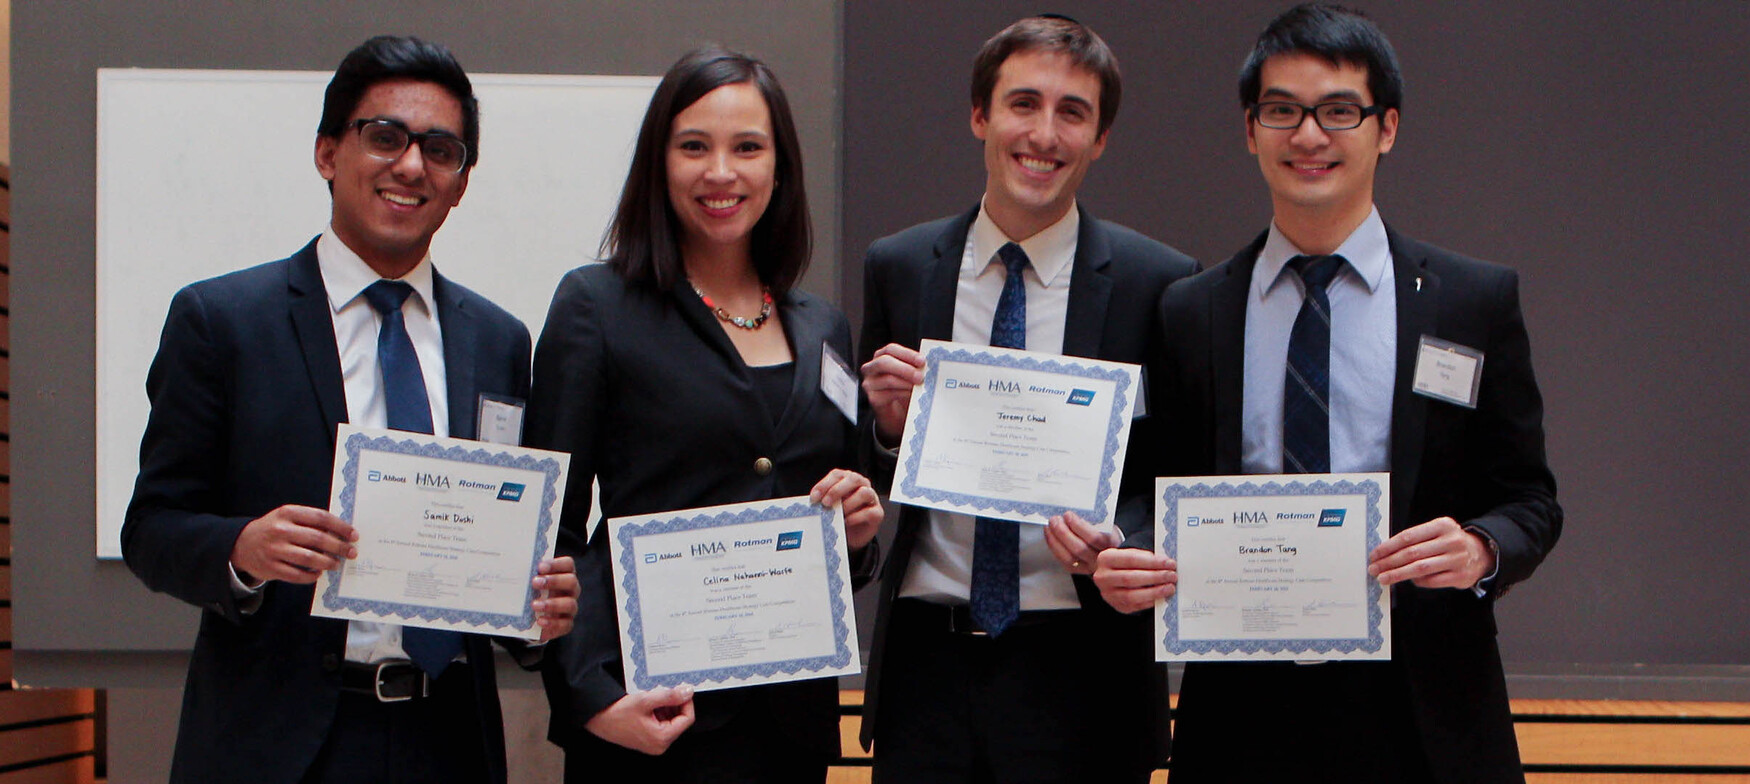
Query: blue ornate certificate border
[1375, 639]
[843, 651]
[546, 466]
[1066, 366]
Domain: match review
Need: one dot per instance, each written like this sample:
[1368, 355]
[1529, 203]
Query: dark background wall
[1593, 145]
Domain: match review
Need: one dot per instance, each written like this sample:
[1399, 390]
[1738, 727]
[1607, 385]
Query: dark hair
[1049, 33]
[643, 241]
[389, 57]
[1340, 36]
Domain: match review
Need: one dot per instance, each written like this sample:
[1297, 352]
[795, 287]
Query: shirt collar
[345, 275]
[1049, 252]
[1366, 249]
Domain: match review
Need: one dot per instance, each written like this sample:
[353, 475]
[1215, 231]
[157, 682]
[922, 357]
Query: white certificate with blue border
[734, 595]
[450, 531]
[1273, 567]
[1016, 435]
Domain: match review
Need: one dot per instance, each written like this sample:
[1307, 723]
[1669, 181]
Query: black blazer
[1483, 467]
[246, 394]
[650, 397]
[910, 282]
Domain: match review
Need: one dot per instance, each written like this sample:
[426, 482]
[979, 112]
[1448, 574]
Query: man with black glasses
[254, 371]
[1299, 355]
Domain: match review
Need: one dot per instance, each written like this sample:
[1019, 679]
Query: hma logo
[511, 491]
[790, 540]
[1331, 517]
[1081, 397]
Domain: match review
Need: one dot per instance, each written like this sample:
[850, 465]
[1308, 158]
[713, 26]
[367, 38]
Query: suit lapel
[1227, 345]
[313, 323]
[1089, 290]
[456, 320]
[806, 333]
[1418, 306]
[941, 279]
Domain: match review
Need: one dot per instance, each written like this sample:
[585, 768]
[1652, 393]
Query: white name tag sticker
[839, 382]
[501, 420]
[1448, 371]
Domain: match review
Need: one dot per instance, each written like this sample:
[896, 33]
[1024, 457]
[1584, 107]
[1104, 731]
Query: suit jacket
[246, 394]
[911, 281]
[650, 397]
[1484, 467]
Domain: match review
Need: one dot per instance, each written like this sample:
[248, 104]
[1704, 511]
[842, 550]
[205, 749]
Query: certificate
[733, 595]
[450, 531]
[1273, 567]
[1016, 435]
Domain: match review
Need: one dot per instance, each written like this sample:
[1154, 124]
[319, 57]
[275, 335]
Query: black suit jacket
[650, 397]
[246, 394]
[910, 284]
[1483, 467]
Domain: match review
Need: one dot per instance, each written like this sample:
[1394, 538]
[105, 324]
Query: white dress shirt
[941, 564]
[1364, 340]
[345, 276]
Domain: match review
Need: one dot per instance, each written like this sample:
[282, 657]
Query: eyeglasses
[1335, 116]
[388, 139]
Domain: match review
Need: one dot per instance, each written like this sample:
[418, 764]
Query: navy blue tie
[996, 544]
[409, 410]
[1306, 391]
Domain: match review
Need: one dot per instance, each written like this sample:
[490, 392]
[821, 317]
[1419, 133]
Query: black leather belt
[957, 618]
[395, 680]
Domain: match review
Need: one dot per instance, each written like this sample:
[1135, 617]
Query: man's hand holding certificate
[451, 532]
[1273, 567]
[1016, 435]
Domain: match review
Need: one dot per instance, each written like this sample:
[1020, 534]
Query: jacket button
[762, 466]
[330, 662]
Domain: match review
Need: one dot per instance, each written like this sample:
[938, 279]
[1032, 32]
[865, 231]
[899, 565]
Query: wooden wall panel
[78, 770]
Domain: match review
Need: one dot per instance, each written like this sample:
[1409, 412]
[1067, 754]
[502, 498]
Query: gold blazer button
[762, 466]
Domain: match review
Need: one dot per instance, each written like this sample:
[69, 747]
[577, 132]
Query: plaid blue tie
[996, 548]
[1306, 392]
[409, 410]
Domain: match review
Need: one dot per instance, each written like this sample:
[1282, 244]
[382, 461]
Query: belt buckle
[971, 629]
[421, 685]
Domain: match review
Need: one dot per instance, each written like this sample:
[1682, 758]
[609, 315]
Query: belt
[394, 680]
[957, 618]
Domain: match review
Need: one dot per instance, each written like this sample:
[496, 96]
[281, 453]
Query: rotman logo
[511, 491]
[790, 540]
[1330, 518]
[1081, 397]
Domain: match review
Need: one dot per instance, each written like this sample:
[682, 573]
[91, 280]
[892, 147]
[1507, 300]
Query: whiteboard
[202, 172]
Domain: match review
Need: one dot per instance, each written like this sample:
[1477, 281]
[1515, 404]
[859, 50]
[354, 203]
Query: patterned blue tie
[1306, 392]
[409, 410]
[996, 548]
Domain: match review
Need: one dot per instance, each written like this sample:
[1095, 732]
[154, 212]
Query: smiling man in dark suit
[1300, 355]
[254, 371]
[995, 658]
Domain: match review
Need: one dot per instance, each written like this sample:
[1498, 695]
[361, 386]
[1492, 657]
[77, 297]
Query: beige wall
[5, 81]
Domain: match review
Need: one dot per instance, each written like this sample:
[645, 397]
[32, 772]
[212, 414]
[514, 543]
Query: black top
[772, 382]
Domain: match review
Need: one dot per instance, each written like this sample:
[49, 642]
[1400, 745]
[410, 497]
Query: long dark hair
[643, 241]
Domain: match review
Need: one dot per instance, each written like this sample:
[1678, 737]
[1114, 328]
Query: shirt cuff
[248, 597]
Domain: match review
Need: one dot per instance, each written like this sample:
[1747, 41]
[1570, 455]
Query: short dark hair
[1050, 33]
[643, 241]
[1338, 35]
[390, 57]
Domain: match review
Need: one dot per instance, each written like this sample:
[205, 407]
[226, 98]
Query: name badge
[500, 420]
[1448, 371]
[839, 382]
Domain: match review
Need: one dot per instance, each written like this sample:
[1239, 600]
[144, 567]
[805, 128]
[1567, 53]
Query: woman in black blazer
[685, 372]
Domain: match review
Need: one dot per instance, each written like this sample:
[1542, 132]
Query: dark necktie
[996, 548]
[1306, 391]
[409, 410]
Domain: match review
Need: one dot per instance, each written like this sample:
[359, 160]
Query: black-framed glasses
[388, 140]
[1333, 116]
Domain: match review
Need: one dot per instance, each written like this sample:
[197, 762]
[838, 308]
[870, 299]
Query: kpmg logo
[1331, 518]
[511, 491]
[1081, 397]
[790, 540]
